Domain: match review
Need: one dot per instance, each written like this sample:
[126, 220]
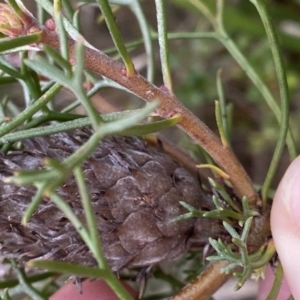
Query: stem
[10, 283]
[277, 283]
[78, 89]
[147, 41]
[110, 278]
[30, 81]
[15, 7]
[8, 43]
[61, 32]
[41, 16]
[74, 220]
[98, 62]
[204, 9]
[223, 108]
[284, 97]
[163, 44]
[220, 124]
[90, 218]
[68, 268]
[205, 285]
[35, 202]
[28, 288]
[116, 36]
[117, 286]
[31, 110]
[68, 9]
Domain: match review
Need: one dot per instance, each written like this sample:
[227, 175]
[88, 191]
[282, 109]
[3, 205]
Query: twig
[98, 62]
[205, 285]
[284, 96]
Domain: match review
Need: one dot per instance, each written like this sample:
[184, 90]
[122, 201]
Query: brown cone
[135, 190]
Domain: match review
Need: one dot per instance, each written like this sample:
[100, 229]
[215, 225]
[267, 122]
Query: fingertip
[265, 286]
[91, 290]
[285, 225]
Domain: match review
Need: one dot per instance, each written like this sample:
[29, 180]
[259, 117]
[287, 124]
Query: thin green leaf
[163, 44]
[42, 66]
[69, 268]
[15, 7]
[37, 199]
[135, 6]
[79, 65]
[6, 295]
[231, 230]
[9, 44]
[31, 279]
[187, 206]
[90, 218]
[137, 130]
[7, 80]
[76, 20]
[28, 288]
[222, 214]
[258, 262]
[216, 202]
[183, 217]
[83, 271]
[65, 64]
[25, 177]
[144, 129]
[243, 277]
[228, 269]
[68, 8]
[4, 66]
[221, 190]
[41, 15]
[284, 97]
[223, 108]
[239, 243]
[68, 212]
[246, 229]
[116, 36]
[220, 125]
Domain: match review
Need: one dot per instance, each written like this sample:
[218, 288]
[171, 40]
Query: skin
[92, 290]
[285, 224]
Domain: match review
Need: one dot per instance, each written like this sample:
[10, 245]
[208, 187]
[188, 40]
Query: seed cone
[135, 191]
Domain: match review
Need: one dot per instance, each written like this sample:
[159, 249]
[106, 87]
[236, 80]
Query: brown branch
[100, 63]
[205, 285]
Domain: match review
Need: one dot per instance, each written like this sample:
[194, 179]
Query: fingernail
[291, 191]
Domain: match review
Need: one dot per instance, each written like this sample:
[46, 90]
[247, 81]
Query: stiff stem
[90, 218]
[135, 6]
[116, 36]
[163, 44]
[284, 97]
[31, 110]
[206, 284]
[98, 62]
[276, 284]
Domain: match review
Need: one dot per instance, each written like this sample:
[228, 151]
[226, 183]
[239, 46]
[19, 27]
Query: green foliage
[249, 263]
